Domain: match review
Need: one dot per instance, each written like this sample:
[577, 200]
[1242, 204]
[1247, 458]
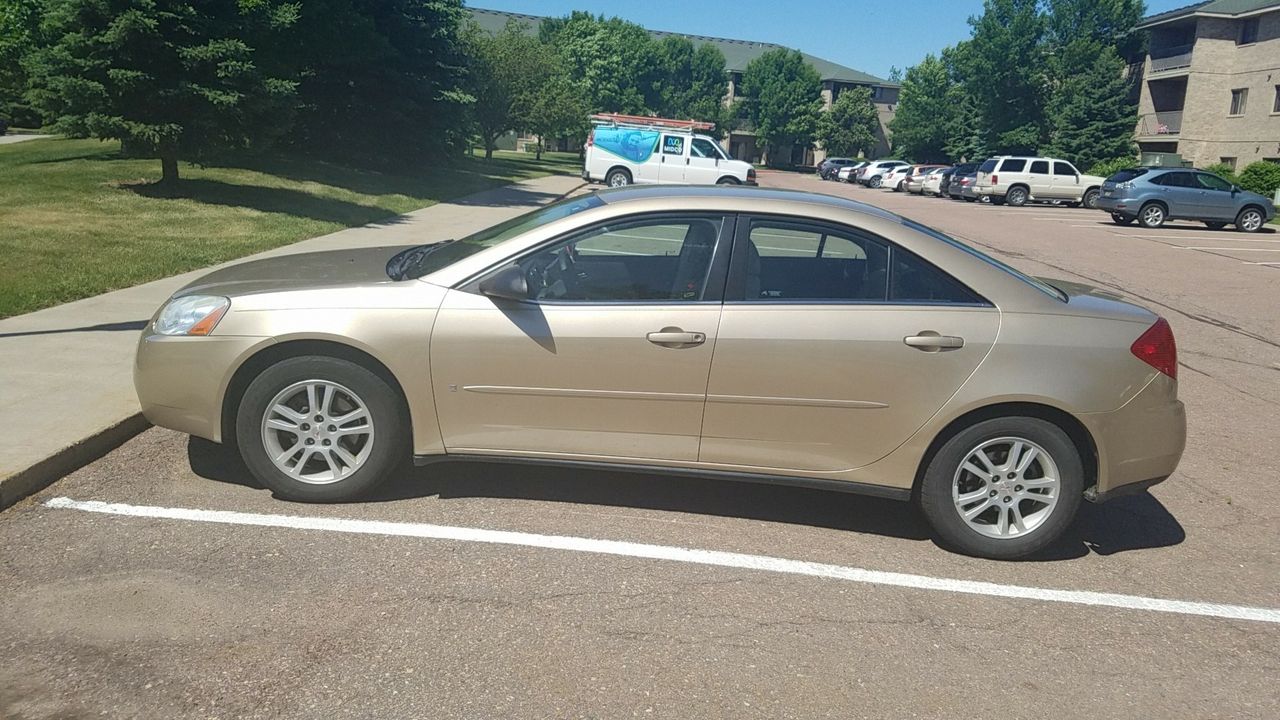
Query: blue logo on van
[633, 145]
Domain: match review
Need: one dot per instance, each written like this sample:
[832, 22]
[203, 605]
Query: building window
[1275, 107]
[1228, 161]
[1248, 31]
[1239, 99]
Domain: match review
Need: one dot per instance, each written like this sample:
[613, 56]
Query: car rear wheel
[1250, 220]
[1214, 225]
[321, 429]
[1090, 199]
[874, 182]
[728, 181]
[1017, 196]
[1152, 215]
[1121, 219]
[618, 177]
[1003, 488]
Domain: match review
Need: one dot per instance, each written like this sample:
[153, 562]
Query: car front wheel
[1003, 488]
[1250, 220]
[321, 429]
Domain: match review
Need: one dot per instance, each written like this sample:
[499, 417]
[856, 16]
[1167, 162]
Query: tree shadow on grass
[265, 199]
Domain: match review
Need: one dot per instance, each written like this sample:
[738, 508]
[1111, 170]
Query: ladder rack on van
[644, 122]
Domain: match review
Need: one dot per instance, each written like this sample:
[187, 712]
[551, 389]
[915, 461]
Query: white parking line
[1262, 263]
[1236, 249]
[676, 554]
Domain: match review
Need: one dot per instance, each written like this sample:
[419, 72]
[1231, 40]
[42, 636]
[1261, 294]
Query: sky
[871, 36]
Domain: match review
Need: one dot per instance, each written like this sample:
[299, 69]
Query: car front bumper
[181, 381]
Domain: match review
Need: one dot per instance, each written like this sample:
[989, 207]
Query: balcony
[1172, 57]
[1160, 123]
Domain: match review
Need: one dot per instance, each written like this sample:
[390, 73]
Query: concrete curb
[46, 472]
[66, 461]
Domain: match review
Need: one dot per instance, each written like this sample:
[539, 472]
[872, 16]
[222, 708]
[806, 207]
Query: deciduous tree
[849, 128]
[782, 96]
[508, 73]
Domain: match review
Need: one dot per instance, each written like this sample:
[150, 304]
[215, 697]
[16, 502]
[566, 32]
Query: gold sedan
[760, 335]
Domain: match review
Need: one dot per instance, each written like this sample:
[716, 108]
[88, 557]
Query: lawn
[77, 219]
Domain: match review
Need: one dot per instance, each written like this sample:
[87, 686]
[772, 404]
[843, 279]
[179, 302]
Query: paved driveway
[475, 591]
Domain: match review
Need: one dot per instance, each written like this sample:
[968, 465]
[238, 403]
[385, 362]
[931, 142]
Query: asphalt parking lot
[196, 594]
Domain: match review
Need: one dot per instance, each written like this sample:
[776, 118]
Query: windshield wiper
[399, 266]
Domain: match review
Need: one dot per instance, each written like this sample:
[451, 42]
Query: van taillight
[1157, 348]
[591, 138]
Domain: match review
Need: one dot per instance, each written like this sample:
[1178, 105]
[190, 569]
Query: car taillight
[995, 179]
[1157, 348]
[751, 172]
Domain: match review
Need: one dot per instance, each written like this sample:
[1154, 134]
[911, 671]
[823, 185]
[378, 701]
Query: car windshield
[1040, 285]
[426, 259]
[1127, 175]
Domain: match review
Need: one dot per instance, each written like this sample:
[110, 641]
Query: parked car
[1152, 195]
[895, 177]
[583, 333]
[849, 172]
[872, 174]
[828, 168]
[1020, 180]
[931, 183]
[944, 185]
[963, 187]
[914, 182]
[624, 154]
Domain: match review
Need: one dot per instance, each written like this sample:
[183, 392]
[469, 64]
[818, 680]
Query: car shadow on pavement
[102, 327]
[1133, 522]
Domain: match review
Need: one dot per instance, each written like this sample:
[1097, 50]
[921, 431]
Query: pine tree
[169, 78]
[1090, 114]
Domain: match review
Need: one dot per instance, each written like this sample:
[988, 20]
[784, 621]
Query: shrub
[1262, 177]
[1107, 168]
[1224, 171]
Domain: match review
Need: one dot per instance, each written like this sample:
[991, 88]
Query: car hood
[299, 271]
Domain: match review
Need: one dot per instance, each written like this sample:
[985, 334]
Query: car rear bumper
[181, 381]
[1114, 204]
[1141, 443]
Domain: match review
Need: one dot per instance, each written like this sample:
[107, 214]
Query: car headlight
[191, 315]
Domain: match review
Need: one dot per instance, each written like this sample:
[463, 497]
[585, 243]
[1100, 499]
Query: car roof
[737, 194]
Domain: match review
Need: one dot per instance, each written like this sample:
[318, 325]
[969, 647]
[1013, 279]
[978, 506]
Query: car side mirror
[508, 283]
[1235, 189]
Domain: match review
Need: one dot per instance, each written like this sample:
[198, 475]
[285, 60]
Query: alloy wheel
[1250, 220]
[1153, 216]
[317, 431]
[1006, 488]
[1017, 197]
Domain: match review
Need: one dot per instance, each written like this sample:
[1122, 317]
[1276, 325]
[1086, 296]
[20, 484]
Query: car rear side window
[914, 280]
[1040, 167]
[1177, 179]
[1127, 175]
[988, 166]
[1013, 165]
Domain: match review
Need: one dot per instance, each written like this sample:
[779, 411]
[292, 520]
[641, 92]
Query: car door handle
[672, 337]
[930, 341]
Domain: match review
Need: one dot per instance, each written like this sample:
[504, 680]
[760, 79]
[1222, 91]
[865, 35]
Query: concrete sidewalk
[66, 394]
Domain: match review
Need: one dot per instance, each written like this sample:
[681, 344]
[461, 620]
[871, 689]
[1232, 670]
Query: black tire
[1250, 220]
[994, 200]
[1152, 215]
[727, 180]
[939, 507]
[387, 414]
[1121, 219]
[1017, 196]
[1214, 225]
[618, 177]
[1090, 199]
[968, 199]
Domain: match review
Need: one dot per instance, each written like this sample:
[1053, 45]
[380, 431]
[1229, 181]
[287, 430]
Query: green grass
[77, 219]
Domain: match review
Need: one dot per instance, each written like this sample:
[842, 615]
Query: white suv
[1020, 180]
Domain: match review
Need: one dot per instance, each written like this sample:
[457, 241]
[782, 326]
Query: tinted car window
[988, 166]
[1040, 167]
[1061, 168]
[914, 280]
[1176, 179]
[665, 259]
[1212, 182]
[1127, 175]
[1013, 166]
[794, 261]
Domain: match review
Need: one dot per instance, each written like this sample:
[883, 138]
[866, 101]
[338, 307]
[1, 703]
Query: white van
[640, 152]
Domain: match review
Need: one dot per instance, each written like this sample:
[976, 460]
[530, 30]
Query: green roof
[1228, 8]
[737, 53]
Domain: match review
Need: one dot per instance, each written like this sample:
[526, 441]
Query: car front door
[1218, 202]
[703, 162]
[1066, 182]
[673, 158]
[607, 358]
[813, 371]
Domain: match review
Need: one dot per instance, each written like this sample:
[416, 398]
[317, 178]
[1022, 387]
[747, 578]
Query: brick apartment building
[741, 143]
[1210, 87]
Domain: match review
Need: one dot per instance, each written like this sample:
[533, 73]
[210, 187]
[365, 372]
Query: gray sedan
[1153, 195]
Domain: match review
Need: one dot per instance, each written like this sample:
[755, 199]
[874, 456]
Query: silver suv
[1152, 195]
[1020, 180]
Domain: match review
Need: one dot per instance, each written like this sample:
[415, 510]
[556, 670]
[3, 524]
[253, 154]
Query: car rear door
[834, 347]
[1040, 180]
[673, 158]
[609, 356]
[1181, 194]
